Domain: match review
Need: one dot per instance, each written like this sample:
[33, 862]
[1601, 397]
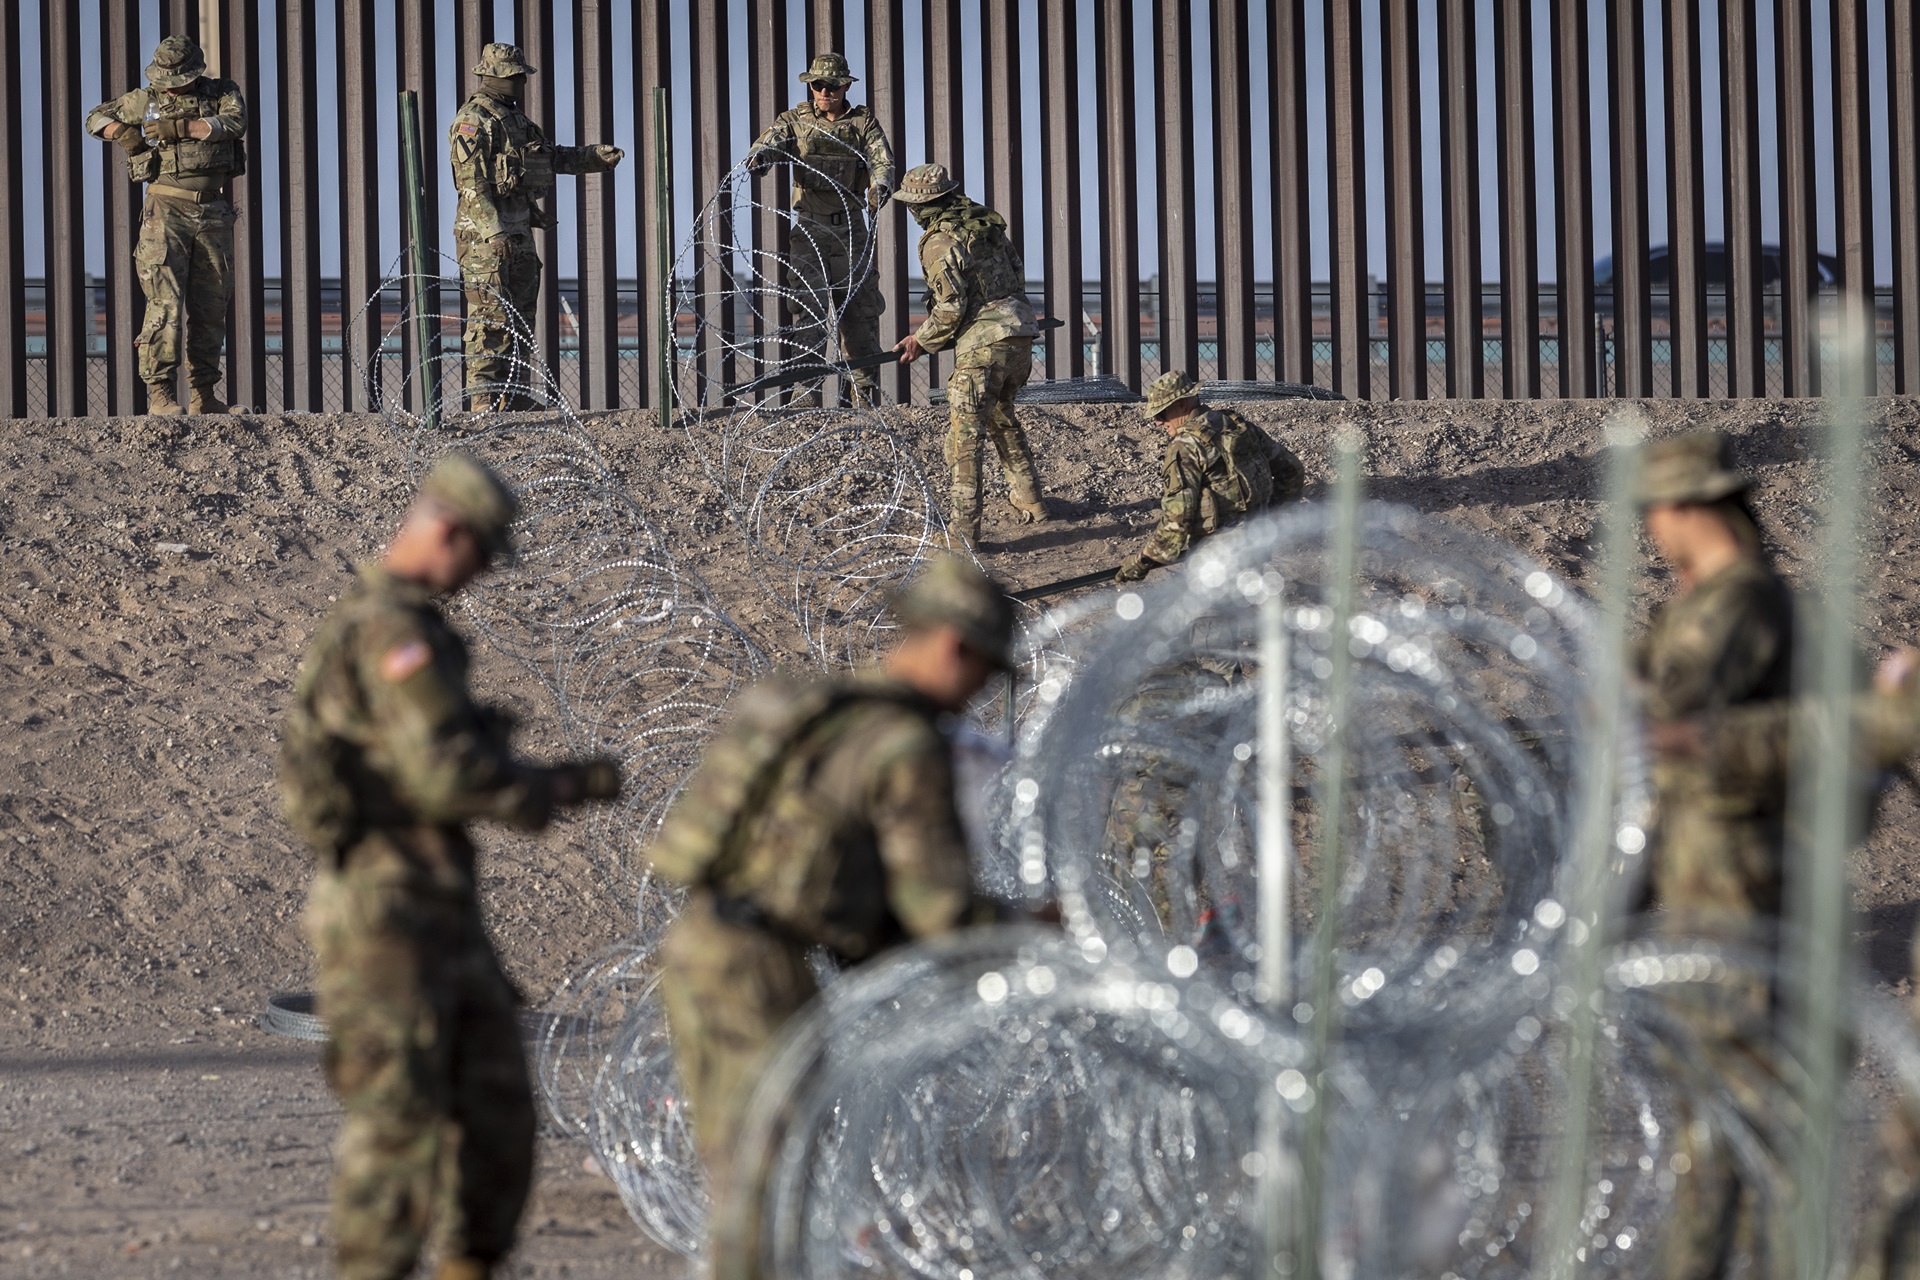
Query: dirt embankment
[161, 579]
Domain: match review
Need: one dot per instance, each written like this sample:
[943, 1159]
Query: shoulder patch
[467, 128]
[399, 663]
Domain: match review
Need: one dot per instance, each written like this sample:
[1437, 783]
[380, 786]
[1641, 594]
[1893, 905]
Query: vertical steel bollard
[663, 245]
[425, 285]
[1588, 927]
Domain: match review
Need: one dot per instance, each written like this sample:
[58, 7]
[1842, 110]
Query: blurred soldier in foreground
[184, 138]
[1724, 640]
[836, 151]
[1219, 469]
[976, 304]
[503, 166]
[385, 758]
[823, 817]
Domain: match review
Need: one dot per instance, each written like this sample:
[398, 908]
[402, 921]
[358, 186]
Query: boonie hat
[503, 62]
[926, 183]
[954, 593]
[1688, 468]
[480, 498]
[1169, 388]
[177, 63]
[830, 69]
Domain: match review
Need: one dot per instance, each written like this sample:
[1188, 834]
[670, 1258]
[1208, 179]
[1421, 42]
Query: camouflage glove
[878, 195]
[129, 140]
[599, 779]
[165, 130]
[758, 162]
[608, 155]
[1135, 568]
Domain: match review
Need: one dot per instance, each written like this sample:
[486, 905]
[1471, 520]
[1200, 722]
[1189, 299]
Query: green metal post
[1820, 803]
[1589, 927]
[1321, 1012]
[663, 246]
[425, 372]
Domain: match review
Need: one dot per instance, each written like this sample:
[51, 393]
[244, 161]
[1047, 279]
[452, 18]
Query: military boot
[1032, 508]
[160, 401]
[205, 400]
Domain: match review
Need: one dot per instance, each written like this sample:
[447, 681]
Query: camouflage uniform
[184, 257]
[840, 167]
[1218, 469]
[976, 304]
[385, 758]
[824, 816]
[1716, 862]
[503, 166]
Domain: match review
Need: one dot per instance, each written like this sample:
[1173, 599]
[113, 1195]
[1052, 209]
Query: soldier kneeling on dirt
[1219, 469]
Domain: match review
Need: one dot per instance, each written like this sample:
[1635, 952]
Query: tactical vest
[525, 166]
[1239, 470]
[834, 152]
[793, 881]
[188, 157]
[994, 267]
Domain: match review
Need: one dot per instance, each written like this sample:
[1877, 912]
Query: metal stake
[663, 245]
[425, 370]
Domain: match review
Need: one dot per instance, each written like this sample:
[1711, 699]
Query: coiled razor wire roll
[1101, 388]
[1136, 790]
[1234, 389]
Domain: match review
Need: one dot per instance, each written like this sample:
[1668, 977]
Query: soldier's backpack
[702, 841]
[1243, 484]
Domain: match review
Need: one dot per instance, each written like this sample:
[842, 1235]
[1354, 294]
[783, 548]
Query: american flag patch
[468, 128]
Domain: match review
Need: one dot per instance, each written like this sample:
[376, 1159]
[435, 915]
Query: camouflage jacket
[838, 159]
[976, 281]
[845, 834]
[503, 165]
[202, 163]
[1728, 641]
[1201, 494]
[383, 733]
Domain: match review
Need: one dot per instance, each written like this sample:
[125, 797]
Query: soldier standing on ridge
[1219, 469]
[503, 166]
[977, 304]
[823, 817]
[834, 148]
[385, 758]
[183, 136]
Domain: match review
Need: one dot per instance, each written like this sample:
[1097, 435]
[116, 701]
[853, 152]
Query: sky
[912, 148]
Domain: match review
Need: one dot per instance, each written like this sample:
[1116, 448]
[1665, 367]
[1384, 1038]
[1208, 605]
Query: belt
[181, 193]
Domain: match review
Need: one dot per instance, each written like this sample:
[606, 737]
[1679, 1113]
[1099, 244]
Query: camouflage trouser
[1890, 1236]
[185, 263]
[728, 993]
[424, 1053]
[980, 399]
[500, 273]
[824, 258]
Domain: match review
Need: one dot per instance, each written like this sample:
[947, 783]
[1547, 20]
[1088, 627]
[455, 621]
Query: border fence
[1721, 313]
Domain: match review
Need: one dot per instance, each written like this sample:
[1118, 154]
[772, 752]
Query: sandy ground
[160, 580]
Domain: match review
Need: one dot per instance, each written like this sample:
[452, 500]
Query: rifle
[1065, 584]
[813, 372]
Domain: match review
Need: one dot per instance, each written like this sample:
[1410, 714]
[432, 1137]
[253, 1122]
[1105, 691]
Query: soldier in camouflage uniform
[1725, 640]
[183, 138]
[504, 166]
[837, 152]
[385, 758]
[825, 817]
[1218, 469]
[976, 304]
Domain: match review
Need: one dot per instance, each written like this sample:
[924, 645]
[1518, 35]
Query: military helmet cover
[177, 63]
[1691, 467]
[926, 183]
[474, 493]
[1169, 389]
[954, 593]
[503, 62]
[828, 69]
